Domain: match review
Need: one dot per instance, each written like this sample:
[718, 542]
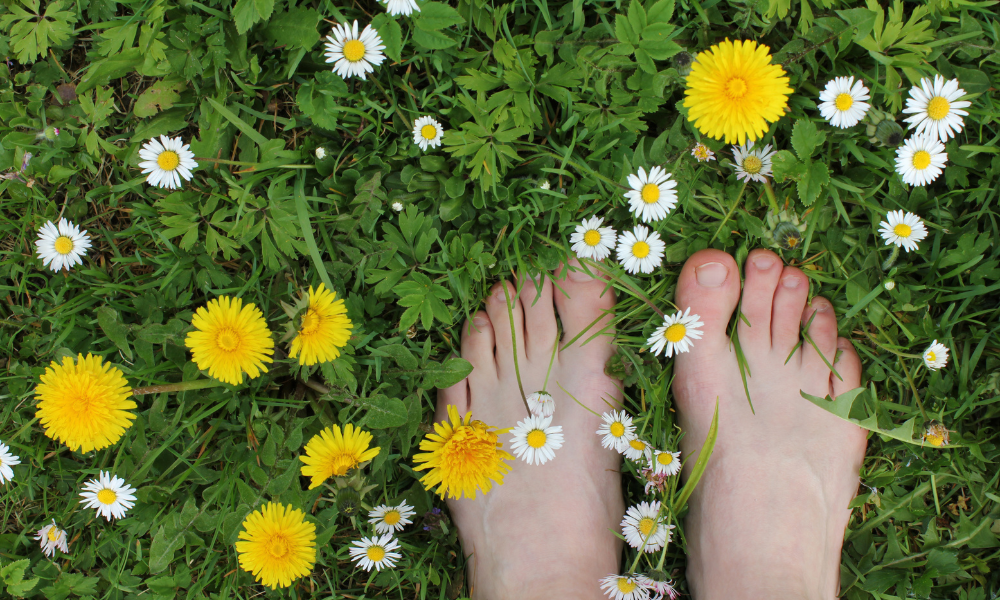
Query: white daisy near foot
[427, 133]
[626, 587]
[640, 251]
[541, 404]
[936, 109]
[61, 246]
[592, 241]
[643, 527]
[167, 161]
[842, 103]
[702, 153]
[752, 164]
[638, 450]
[387, 519]
[375, 552]
[935, 356]
[354, 54]
[652, 196]
[110, 495]
[617, 430]
[666, 462]
[536, 440]
[902, 229]
[921, 159]
[400, 7]
[51, 538]
[676, 333]
[7, 460]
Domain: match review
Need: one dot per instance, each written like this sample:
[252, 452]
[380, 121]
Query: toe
[822, 329]
[477, 348]
[788, 304]
[457, 396]
[584, 302]
[763, 270]
[503, 305]
[848, 366]
[539, 317]
[709, 285]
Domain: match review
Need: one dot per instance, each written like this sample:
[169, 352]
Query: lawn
[306, 178]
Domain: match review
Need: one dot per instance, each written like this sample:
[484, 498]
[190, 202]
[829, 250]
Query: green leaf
[383, 412]
[701, 464]
[784, 166]
[170, 537]
[812, 181]
[297, 28]
[636, 16]
[435, 16]
[446, 374]
[116, 331]
[861, 21]
[973, 81]
[661, 12]
[399, 353]
[432, 40]
[391, 34]
[113, 67]
[806, 138]
[32, 34]
[248, 12]
[12, 575]
[59, 173]
[645, 61]
[159, 96]
[624, 31]
[240, 124]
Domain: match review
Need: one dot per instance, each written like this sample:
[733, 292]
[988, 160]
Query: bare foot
[546, 532]
[768, 518]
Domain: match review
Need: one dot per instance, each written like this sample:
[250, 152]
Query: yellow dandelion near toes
[463, 457]
[332, 453]
[735, 92]
[325, 328]
[84, 404]
[277, 545]
[231, 339]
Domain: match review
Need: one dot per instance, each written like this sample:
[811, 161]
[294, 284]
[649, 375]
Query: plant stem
[771, 197]
[184, 386]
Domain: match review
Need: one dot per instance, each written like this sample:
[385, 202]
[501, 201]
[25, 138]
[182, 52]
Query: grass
[576, 94]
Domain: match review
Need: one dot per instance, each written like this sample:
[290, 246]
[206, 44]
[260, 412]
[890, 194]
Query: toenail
[791, 282]
[711, 274]
[480, 321]
[820, 305]
[498, 294]
[843, 343]
[763, 262]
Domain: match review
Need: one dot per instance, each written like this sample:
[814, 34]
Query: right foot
[767, 519]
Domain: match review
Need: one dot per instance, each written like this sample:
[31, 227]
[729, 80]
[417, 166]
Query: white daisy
[842, 102]
[666, 462]
[390, 518]
[936, 356]
[110, 495]
[920, 159]
[375, 552]
[640, 250]
[51, 538]
[7, 460]
[541, 404]
[936, 108]
[320, 152]
[637, 450]
[652, 197]
[397, 206]
[545, 185]
[61, 246]
[662, 589]
[400, 7]
[676, 333]
[752, 164]
[643, 527]
[702, 153]
[427, 133]
[353, 54]
[167, 161]
[536, 439]
[902, 229]
[617, 430]
[592, 241]
[626, 587]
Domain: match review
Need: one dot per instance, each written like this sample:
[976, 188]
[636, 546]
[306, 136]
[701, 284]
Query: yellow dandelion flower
[277, 545]
[734, 91]
[84, 404]
[325, 328]
[231, 339]
[936, 435]
[463, 456]
[331, 453]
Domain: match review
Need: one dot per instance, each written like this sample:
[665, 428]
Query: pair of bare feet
[767, 519]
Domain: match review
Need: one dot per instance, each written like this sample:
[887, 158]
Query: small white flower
[61, 246]
[7, 460]
[676, 333]
[842, 102]
[354, 55]
[702, 153]
[936, 356]
[397, 206]
[320, 152]
[640, 250]
[541, 404]
[752, 164]
[390, 518]
[626, 587]
[617, 430]
[936, 108]
[50, 538]
[110, 495]
[889, 285]
[536, 440]
[920, 160]
[662, 589]
[167, 161]
[904, 230]
[638, 450]
[400, 7]
[643, 527]
[666, 462]
[375, 552]
[427, 133]
[592, 241]
[652, 197]
[545, 185]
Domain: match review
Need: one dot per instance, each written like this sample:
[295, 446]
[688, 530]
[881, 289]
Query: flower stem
[771, 197]
[184, 386]
[892, 259]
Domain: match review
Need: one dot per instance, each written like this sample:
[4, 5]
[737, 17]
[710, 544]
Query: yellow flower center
[792, 241]
[228, 340]
[428, 132]
[752, 164]
[902, 230]
[277, 546]
[354, 50]
[53, 534]
[617, 429]
[844, 102]
[931, 357]
[675, 332]
[645, 526]
[921, 159]
[340, 463]
[310, 322]
[665, 458]
[168, 160]
[938, 108]
[636, 444]
[392, 517]
[63, 245]
[640, 250]
[650, 193]
[592, 237]
[107, 496]
[626, 586]
[736, 87]
[536, 439]
[701, 151]
[375, 553]
[934, 439]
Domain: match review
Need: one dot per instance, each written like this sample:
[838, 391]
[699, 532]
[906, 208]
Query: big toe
[584, 302]
[710, 286]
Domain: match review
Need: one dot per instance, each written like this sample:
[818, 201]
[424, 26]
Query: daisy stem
[239, 163]
[513, 341]
[913, 386]
[771, 197]
[184, 386]
[892, 259]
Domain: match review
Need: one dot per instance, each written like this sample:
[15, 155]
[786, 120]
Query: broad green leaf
[446, 374]
[399, 353]
[806, 138]
[391, 34]
[112, 67]
[157, 97]
[246, 13]
[112, 327]
[660, 12]
[296, 28]
[383, 412]
[436, 15]
[815, 176]
[784, 166]
[432, 40]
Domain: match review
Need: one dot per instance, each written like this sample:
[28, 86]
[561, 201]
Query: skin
[767, 519]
